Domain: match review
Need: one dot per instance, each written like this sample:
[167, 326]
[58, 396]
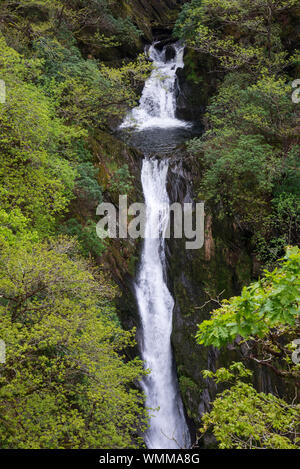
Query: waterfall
[157, 106]
[157, 109]
[168, 428]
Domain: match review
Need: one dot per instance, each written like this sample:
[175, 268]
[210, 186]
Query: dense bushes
[250, 150]
[55, 99]
[36, 177]
[96, 23]
[66, 382]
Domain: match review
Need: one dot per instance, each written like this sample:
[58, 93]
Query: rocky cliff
[198, 279]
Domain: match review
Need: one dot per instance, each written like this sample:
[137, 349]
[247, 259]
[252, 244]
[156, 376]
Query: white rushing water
[157, 106]
[157, 109]
[168, 429]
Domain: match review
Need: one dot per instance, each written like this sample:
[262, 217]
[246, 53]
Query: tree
[91, 95]
[66, 382]
[242, 418]
[263, 322]
[247, 155]
[249, 160]
[97, 22]
[101, 18]
[84, 91]
[239, 34]
[267, 315]
[36, 177]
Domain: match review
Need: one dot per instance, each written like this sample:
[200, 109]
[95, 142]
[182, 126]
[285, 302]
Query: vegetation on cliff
[242, 418]
[267, 316]
[67, 382]
[250, 151]
[249, 160]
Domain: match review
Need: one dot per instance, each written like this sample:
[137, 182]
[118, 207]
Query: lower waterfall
[168, 427]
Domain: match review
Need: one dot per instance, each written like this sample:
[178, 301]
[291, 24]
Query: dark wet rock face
[170, 53]
[196, 83]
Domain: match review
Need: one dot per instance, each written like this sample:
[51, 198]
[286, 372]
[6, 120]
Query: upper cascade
[157, 106]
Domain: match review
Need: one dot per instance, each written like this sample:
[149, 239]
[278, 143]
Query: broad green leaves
[271, 302]
[267, 313]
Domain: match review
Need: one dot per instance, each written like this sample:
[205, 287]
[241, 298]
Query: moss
[244, 268]
[187, 385]
[132, 265]
[149, 14]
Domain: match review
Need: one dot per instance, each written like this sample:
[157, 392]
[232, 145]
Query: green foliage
[78, 86]
[244, 154]
[86, 235]
[239, 34]
[284, 223]
[263, 106]
[250, 163]
[248, 152]
[78, 99]
[121, 181]
[35, 175]
[271, 302]
[65, 383]
[102, 18]
[242, 418]
[238, 174]
[187, 20]
[87, 186]
[14, 224]
[187, 385]
[94, 23]
[54, 96]
[267, 315]
[85, 92]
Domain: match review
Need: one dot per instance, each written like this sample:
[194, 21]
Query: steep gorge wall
[200, 278]
[197, 278]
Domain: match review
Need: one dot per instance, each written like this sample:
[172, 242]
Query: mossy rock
[150, 14]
